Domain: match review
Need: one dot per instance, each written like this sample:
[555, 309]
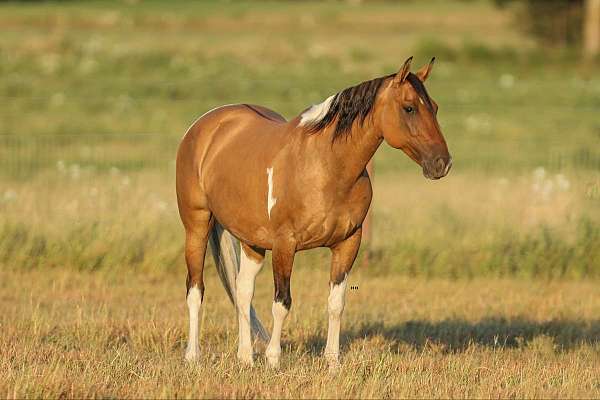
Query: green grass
[127, 69]
[94, 99]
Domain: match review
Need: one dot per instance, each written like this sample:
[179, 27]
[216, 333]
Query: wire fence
[25, 157]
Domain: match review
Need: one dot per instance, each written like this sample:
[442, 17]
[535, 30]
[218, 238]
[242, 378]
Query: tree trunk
[591, 28]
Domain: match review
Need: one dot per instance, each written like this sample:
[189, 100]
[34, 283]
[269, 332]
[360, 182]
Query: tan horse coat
[287, 186]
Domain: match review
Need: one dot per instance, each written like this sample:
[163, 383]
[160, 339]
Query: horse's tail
[226, 252]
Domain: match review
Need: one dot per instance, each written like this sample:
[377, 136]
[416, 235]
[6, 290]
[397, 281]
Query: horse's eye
[409, 109]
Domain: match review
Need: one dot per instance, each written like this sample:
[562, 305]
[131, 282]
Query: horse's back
[266, 113]
[233, 112]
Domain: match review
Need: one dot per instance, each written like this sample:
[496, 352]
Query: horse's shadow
[456, 335]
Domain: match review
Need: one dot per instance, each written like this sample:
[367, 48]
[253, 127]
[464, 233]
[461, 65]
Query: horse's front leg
[283, 260]
[343, 256]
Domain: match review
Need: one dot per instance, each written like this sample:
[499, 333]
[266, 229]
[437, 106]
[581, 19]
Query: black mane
[357, 102]
[353, 103]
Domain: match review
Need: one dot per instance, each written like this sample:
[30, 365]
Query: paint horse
[250, 181]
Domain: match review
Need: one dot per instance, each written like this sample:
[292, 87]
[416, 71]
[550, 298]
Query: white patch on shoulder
[270, 199]
[316, 112]
[209, 111]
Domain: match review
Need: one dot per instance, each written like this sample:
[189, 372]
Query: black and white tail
[226, 252]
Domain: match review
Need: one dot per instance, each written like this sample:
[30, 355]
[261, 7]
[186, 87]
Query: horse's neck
[352, 153]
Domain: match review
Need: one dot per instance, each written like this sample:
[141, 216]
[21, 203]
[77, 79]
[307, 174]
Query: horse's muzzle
[437, 168]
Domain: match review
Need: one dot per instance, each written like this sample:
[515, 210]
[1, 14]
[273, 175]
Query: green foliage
[542, 253]
[552, 22]
[470, 52]
[96, 96]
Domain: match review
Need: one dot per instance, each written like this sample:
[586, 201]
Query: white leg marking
[316, 112]
[335, 307]
[273, 351]
[270, 199]
[244, 293]
[194, 302]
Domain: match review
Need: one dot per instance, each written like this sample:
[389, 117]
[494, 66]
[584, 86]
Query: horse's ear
[425, 70]
[403, 73]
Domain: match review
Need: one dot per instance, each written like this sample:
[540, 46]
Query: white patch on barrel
[270, 199]
[316, 112]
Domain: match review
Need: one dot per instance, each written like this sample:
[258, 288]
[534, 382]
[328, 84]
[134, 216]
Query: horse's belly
[243, 217]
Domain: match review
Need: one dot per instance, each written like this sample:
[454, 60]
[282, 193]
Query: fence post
[591, 28]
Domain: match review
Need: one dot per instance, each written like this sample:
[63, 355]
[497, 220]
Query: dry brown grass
[107, 331]
[74, 334]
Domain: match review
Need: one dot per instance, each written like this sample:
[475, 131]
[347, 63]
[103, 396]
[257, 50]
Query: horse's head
[408, 121]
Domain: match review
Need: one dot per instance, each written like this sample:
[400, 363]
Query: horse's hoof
[273, 356]
[334, 367]
[273, 362]
[191, 355]
[246, 359]
[333, 361]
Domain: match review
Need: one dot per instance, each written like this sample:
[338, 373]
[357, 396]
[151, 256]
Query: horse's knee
[194, 297]
[279, 311]
[336, 300]
[283, 295]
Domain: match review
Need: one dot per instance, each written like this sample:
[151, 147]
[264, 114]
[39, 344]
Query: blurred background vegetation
[96, 95]
[552, 22]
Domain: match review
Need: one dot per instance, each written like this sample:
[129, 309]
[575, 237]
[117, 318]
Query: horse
[248, 181]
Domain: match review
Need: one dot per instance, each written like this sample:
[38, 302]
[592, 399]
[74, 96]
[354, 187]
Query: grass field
[483, 284]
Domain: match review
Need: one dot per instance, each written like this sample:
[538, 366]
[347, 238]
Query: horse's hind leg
[251, 262]
[197, 229]
[343, 256]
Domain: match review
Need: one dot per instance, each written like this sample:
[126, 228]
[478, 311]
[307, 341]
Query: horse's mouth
[438, 169]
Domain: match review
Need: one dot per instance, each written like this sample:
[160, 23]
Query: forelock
[418, 86]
